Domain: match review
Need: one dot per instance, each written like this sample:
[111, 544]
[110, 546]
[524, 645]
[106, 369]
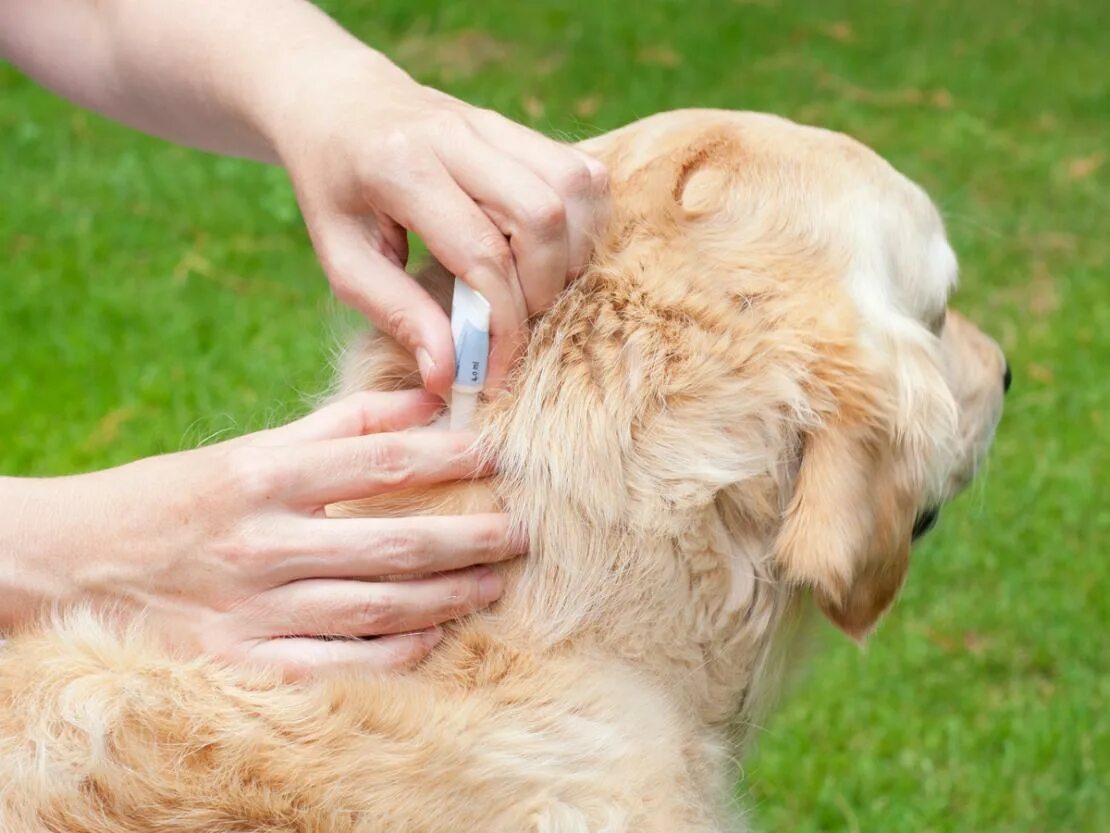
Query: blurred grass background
[153, 297]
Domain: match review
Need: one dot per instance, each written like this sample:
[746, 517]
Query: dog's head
[814, 236]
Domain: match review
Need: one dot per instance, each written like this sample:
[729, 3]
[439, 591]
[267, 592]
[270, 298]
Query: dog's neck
[641, 447]
[651, 513]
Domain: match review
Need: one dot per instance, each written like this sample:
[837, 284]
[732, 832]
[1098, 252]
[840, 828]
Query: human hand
[227, 551]
[372, 153]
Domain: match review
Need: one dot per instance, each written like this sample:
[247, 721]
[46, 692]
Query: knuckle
[251, 472]
[390, 462]
[242, 550]
[574, 180]
[405, 653]
[464, 598]
[394, 145]
[395, 160]
[547, 217]
[491, 536]
[492, 253]
[379, 611]
[599, 178]
[401, 553]
[449, 123]
[362, 405]
[341, 268]
[400, 324]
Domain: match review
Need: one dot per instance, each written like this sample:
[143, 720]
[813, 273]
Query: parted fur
[744, 399]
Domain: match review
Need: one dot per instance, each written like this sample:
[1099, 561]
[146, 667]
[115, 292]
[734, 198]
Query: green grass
[154, 297]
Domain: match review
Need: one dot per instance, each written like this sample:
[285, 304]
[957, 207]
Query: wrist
[310, 94]
[34, 577]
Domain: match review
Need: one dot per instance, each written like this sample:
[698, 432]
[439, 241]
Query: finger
[353, 548]
[524, 207]
[578, 178]
[504, 349]
[363, 278]
[330, 471]
[598, 209]
[334, 607]
[301, 657]
[366, 412]
[470, 246]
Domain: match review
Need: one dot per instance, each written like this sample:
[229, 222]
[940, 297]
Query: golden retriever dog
[741, 412]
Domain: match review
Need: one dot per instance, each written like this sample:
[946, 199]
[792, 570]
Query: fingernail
[425, 363]
[489, 587]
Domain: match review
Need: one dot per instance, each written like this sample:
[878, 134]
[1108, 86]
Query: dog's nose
[1007, 379]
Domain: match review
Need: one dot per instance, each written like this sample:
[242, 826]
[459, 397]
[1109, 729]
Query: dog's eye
[925, 521]
[936, 323]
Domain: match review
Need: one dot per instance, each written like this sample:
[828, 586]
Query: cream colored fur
[742, 403]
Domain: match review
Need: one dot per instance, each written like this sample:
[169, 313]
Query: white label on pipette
[471, 357]
[470, 315]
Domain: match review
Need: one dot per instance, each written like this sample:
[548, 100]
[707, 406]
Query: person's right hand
[227, 550]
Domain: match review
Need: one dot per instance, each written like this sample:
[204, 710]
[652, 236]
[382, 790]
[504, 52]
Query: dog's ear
[848, 525]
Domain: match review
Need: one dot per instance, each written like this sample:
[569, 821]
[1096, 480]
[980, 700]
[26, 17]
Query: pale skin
[227, 549]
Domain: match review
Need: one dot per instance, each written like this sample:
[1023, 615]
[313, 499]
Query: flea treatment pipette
[470, 330]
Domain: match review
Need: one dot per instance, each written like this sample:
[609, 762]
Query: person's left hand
[372, 153]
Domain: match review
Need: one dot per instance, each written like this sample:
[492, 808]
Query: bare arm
[206, 73]
[371, 153]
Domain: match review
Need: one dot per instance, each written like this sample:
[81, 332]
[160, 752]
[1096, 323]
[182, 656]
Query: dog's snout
[1007, 379]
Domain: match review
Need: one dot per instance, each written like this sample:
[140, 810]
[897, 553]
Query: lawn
[155, 298]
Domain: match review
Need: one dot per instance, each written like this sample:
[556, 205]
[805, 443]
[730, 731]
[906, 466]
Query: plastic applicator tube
[470, 330]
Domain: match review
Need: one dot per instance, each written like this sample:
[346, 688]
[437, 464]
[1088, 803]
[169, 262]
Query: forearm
[71, 540]
[98, 538]
[221, 75]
